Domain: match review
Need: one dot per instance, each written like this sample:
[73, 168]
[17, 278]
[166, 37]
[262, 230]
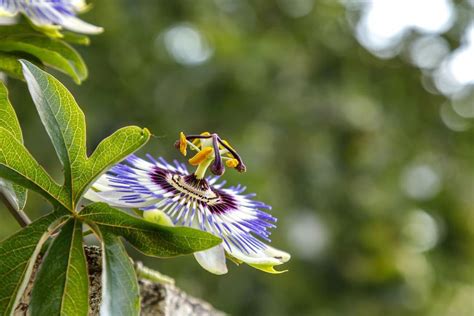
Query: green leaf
[149, 238]
[14, 29]
[120, 292]
[65, 124]
[18, 166]
[63, 119]
[110, 151]
[62, 48]
[8, 120]
[75, 38]
[9, 64]
[17, 256]
[62, 286]
[51, 52]
[54, 52]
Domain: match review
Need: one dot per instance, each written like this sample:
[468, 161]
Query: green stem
[151, 275]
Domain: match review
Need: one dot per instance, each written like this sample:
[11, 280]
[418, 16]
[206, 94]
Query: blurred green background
[359, 135]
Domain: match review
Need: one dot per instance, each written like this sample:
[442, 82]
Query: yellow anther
[232, 163]
[201, 156]
[183, 144]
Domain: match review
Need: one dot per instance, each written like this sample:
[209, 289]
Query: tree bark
[156, 299]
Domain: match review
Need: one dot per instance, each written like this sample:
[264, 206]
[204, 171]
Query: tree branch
[157, 298]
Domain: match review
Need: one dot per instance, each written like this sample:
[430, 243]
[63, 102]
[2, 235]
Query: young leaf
[111, 150]
[62, 286]
[51, 52]
[17, 256]
[18, 166]
[120, 294]
[9, 121]
[149, 238]
[63, 119]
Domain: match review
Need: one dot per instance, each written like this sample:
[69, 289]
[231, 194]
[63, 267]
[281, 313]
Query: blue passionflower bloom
[170, 194]
[51, 14]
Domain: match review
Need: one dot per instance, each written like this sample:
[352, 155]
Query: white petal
[79, 26]
[114, 198]
[268, 256]
[213, 260]
[276, 253]
[6, 13]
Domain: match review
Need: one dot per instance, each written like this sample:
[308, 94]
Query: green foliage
[17, 256]
[18, 166]
[61, 284]
[151, 239]
[119, 281]
[23, 41]
[63, 275]
[9, 121]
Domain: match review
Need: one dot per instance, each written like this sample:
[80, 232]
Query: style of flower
[170, 195]
[51, 15]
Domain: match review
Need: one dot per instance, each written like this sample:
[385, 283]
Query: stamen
[240, 167]
[182, 143]
[232, 163]
[220, 148]
[200, 156]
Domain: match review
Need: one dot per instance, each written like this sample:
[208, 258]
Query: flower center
[212, 151]
[195, 188]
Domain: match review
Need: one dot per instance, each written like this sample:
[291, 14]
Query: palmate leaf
[151, 239]
[62, 286]
[63, 119]
[17, 256]
[15, 193]
[65, 123]
[120, 293]
[110, 151]
[18, 166]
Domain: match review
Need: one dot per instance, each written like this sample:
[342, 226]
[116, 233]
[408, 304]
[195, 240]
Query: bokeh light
[187, 45]
[355, 120]
[421, 182]
[385, 23]
[308, 235]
